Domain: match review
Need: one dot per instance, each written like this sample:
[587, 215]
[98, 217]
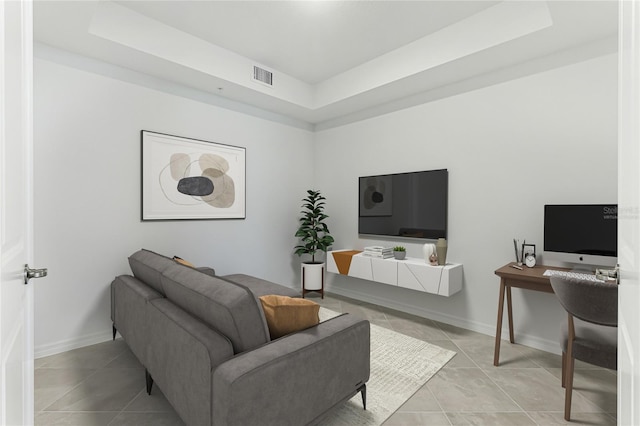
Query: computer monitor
[581, 234]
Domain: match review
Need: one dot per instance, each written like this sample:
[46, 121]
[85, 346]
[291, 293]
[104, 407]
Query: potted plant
[399, 252]
[314, 235]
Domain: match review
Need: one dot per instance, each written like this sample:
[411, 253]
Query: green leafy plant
[313, 232]
[399, 248]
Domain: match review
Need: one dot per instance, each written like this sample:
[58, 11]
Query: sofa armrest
[296, 379]
[181, 353]
[136, 288]
[129, 299]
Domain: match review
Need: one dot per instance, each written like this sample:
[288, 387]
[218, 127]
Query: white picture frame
[191, 179]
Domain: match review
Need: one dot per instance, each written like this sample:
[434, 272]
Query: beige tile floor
[104, 384]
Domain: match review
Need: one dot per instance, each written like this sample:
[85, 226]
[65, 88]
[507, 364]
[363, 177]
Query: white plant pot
[312, 276]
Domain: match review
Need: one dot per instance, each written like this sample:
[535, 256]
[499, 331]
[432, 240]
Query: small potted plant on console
[399, 252]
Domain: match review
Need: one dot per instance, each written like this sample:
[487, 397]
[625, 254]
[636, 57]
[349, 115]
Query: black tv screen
[404, 204]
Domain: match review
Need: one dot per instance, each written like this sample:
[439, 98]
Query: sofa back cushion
[226, 307]
[260, 287]
[148, 266]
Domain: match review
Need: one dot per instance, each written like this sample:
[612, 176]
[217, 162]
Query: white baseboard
[69, 344]
[551, 346]
[488, 329]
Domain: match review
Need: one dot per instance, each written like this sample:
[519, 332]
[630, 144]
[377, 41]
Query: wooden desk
[527, 278]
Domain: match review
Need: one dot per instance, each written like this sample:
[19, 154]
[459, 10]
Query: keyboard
[569, 274]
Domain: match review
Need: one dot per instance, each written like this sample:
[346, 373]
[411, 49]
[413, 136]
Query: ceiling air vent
[263, 76]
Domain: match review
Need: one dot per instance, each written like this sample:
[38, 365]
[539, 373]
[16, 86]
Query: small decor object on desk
[610, 275]
[441, 251]
[529, 254]
[399, 252]
[518, 251]
[530, 260]
[315, 236]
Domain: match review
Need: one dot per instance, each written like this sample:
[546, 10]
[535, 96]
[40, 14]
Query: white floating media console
[410, 273]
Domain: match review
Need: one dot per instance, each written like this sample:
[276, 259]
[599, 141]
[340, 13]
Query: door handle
[33, 273]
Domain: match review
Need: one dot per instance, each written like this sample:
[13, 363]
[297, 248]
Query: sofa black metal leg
[149, 381]
[363, 393]
[114, 331]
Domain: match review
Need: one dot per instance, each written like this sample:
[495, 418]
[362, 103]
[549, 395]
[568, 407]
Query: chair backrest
[595, 302]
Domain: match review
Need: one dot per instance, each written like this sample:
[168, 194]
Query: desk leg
[496, 353]
[510, 314]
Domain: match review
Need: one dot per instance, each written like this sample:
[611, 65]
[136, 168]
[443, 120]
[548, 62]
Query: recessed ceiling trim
[98, 67]
[486, 29]
[154, 44]
[129, 28]
[496, 25]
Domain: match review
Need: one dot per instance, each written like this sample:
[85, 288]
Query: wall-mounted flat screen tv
[404, 204]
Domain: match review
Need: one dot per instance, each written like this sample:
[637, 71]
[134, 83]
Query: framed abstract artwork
[185, 179]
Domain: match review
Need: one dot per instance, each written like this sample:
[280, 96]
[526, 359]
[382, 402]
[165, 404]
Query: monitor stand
[583, 269]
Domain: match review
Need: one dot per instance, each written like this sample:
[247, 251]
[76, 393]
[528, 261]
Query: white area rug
[400, 365]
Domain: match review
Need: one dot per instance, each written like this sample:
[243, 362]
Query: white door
[16, 216]
[629, 214]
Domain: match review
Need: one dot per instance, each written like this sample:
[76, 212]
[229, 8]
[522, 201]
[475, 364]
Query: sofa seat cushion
[286, 315]
[224, 306]
[260, 287]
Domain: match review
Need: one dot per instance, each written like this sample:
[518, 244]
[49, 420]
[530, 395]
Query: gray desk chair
[591, 333]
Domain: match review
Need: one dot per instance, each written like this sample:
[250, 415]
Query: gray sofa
[205, 343]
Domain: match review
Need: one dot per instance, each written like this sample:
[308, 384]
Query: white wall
[87, 196]
[509, 149]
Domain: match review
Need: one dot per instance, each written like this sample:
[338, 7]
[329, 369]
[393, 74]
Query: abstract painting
[376, 195]
[185, 178]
